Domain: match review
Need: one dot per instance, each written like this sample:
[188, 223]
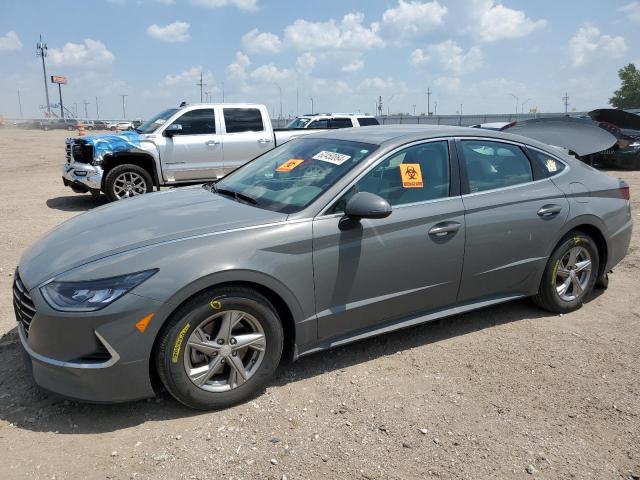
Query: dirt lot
[506, 392]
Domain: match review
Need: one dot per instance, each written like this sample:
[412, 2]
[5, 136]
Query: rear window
[366, 121]
[548, 165]
[340, 123]
[243, 120]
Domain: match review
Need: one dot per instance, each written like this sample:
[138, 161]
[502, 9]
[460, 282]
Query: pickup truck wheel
[126, 181]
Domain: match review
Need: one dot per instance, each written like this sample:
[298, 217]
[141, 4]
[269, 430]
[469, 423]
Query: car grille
[68, 151]
[22, 303]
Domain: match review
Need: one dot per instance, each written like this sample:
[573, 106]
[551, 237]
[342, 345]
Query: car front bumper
[83, 175]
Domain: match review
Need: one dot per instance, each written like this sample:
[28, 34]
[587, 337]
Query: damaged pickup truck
[190, 144]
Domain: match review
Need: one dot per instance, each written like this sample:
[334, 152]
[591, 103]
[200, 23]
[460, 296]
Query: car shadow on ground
[76, 203]
[26, 406]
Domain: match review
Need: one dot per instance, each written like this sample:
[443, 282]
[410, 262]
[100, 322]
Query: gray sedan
[325, 240]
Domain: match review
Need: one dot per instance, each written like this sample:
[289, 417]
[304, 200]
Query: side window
[366, 121]
[494, 165]
[546, 164]
[243, 120]
[415, 174]
[197, 122]
[319, 124]
[340, 123]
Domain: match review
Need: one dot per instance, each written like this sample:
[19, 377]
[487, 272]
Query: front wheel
[220, 348]
[570, 274]
[126, 181]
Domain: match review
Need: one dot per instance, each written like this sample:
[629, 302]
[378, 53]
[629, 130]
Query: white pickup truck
[190, 144]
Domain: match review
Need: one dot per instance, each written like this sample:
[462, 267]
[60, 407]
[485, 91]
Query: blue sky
[344, 54]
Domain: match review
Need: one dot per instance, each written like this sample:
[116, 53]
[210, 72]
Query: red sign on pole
[59, 79]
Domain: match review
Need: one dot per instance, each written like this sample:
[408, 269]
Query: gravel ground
[505, 392]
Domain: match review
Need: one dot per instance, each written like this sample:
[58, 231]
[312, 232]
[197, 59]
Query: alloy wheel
[224, 351]
[129, 184]
[573, 273]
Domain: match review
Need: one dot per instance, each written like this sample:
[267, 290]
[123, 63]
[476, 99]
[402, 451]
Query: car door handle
[549, 210]
[212, 143]
[445, 228]
[264, 140]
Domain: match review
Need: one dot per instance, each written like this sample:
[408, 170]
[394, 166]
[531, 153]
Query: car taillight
[624, 191]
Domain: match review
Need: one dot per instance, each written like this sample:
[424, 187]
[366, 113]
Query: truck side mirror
[173, 129]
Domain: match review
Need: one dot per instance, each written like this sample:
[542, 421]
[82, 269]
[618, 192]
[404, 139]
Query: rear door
[195, 151]
[404, 265]
[246, 136]
[513, 216]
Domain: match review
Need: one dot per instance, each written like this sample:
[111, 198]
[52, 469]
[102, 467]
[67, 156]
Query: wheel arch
[594, 228]
[142, 160]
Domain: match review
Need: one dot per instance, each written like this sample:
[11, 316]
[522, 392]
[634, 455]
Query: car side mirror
[173, 129]
[367, 205]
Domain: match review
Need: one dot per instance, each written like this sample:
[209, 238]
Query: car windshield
[290, 177]
[299, 122]
[156, 121]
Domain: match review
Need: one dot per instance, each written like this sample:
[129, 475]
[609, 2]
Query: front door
[406, 264]
[513, 219]
[195, 151]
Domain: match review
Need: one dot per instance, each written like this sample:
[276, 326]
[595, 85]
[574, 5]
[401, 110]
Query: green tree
[628, 95]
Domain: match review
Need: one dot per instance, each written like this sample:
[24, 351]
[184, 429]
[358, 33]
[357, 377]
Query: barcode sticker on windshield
[331, 157]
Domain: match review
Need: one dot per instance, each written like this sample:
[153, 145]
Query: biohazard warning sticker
[552, 166]
[331, 157]
[289, 165]
[411, 175]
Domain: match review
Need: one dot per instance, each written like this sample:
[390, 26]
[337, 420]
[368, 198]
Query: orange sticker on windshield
[289, 165]
[411, 175]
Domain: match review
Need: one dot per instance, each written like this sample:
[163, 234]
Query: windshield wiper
[235, 195]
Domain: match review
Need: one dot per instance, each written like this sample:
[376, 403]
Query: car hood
[134, 223]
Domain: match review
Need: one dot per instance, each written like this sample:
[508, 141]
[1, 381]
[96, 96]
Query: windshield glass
[154, 122]
[299, 122]
[290, 177]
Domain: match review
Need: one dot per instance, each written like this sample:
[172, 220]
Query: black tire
[602, 282]
[547, 296]
[170, 349]
[109, 181]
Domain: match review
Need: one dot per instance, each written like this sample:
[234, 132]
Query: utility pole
[19, 103]
[280, 90]
[523, 104]
[435, 108]
[222, 92]
[124, 111]
[41, 51]
[200, 84]
[565, 100]
[428, 101]
[86, 113]
[517, 101]
[297, 102]
[97, 109]
[311, 105]
[379, 106]
[414, 109]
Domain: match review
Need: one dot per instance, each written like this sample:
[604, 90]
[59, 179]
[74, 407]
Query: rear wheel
[570, 274]
[126, 181]
[220, 348]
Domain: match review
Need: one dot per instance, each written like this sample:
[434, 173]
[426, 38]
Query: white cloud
[493, 21]
[414, 18]
[261, 42]
[238, 69]
[349, 34]
[632, 10]
[588, 44]
[270, 73]
[418, 57]
[353, 66]
[305, 63]
[448, 84]
[187, 78]
[376, 83]
[453, 59]
[90, 53]
[10, 42]
[342, 88]
[247, 5]
[174, 32]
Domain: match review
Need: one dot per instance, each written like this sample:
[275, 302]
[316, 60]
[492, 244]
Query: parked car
[100, 125]
[328, 239]
[88, 124]
[178, 146]
[118, 126]
[333, 120]
[69, 124]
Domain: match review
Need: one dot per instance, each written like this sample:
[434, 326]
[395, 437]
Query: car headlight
[91, 295]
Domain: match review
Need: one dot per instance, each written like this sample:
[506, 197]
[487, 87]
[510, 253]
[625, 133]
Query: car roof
[390, 135]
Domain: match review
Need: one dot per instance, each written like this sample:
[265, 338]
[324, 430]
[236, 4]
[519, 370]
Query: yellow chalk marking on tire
[178, 345]
[215, 304]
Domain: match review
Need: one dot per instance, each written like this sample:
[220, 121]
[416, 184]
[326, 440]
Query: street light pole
[523, 104]
[311, 105]
[124, 111]
[517, 101]
[280, 90]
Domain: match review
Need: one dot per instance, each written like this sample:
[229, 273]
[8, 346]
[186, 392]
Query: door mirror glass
[367, 205]
[173, 129]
